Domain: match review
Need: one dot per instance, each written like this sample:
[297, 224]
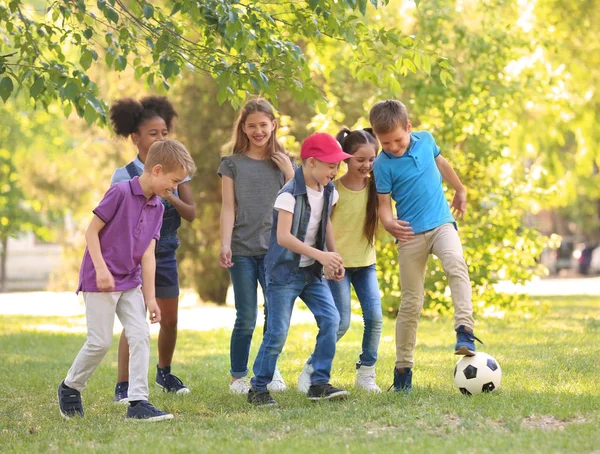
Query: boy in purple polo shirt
[117, 276]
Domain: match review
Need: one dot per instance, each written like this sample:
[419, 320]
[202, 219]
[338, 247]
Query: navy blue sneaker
[121, 391]
[69, 401]
[145, 411]
[261, 398]
[169, 382]
[402, 380]
[326, 391]
[465, 342]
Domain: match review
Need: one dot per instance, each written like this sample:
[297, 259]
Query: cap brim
[335, 157]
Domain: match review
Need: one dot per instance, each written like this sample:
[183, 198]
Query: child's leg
[167, 335]
[123, 359]
[244, 277]
[100, 317]
[446, 246]
[366, 286]
[318, 298]
[341, 297]
[281, 299]
[167, 297]
[412, 258]
[131, 311]
[260, 260]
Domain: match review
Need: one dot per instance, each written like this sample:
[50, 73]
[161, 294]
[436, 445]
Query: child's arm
[459, 202]
[401, 230]
[148, 276]
[289, 241]
[184, 204]
[332, 274]
[227, 220]
[104, 279]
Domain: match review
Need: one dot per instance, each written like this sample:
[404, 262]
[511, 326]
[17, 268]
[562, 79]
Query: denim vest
[281, 263]
[171, 218]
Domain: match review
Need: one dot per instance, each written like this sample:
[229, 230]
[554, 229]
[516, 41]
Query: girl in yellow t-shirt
[354, 222]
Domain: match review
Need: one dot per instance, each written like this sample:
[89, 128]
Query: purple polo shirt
[132, 221]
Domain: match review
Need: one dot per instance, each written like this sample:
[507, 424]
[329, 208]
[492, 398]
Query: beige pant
[443, 242]
[100, 309]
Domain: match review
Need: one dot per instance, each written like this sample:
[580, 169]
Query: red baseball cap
[323, 147]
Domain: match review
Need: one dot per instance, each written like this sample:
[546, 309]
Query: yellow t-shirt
[348, 222]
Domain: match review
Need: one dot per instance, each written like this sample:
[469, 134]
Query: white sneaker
[365, 379]
[304, 378]
[277, 384]
[240, 386]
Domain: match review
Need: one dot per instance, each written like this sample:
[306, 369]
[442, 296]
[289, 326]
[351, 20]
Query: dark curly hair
[127, 114]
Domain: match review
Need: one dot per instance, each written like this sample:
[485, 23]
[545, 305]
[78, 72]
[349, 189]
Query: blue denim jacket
[281, 263]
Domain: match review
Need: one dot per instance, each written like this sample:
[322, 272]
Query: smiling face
[361, 164]
[258, 127]
[163, 182]
[150, 131]
[395, 141]
[321, 173]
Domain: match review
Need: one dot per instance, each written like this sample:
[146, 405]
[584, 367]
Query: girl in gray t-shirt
[251, 177]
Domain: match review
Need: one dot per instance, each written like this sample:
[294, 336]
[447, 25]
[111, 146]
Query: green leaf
[37, 87]
[86, 59]
[68, 109]
[111, 14]
[6, 88]
[445, 77]
[88, 33]
[148, 11]
[221, 96]
[362, 6]
[71, 90]
[89, 114]
[121, 63]
[427, 64]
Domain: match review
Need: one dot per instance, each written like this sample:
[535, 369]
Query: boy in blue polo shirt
[410, 170]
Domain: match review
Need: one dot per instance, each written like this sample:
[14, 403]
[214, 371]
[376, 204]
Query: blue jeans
[317, 296]
[364, 281]
[245, 273]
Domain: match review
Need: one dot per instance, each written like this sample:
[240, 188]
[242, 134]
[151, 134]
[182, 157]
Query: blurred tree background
[508, 88]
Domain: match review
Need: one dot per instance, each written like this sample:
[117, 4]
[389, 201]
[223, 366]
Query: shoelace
[174, 382]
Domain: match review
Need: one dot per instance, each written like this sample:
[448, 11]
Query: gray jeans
[444, 243]
[100, 309]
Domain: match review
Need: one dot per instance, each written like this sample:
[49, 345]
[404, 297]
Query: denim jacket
[281, 263]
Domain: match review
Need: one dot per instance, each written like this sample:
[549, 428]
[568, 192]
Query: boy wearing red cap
[300, 251]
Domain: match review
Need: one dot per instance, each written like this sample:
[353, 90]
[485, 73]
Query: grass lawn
[549, 400]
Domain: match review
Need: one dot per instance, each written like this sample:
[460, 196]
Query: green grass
[549, 400]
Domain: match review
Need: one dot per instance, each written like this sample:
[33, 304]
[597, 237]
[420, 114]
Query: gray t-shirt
[256, 184]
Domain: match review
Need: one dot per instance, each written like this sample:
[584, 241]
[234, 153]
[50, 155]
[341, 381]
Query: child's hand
[331, 260]
[401, 230]
[105, 281]
[225, 257]
[459, 205]
[283, 162]
[153, 311]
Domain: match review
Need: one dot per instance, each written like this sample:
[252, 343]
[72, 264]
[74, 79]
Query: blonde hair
[385, 116]
[239, 142]
[171, 155]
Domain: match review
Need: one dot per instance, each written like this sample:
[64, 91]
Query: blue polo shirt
[415, 183]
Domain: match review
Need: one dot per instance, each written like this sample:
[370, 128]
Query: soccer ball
[477, 374]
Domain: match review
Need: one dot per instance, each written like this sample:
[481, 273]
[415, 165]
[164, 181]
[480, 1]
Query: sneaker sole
[123, 401]
[340, 395]
[464, 351]
[181, 391]
[153, 419]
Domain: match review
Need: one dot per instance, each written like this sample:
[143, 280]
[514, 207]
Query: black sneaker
[169, 382]
[326, 391]
[402, 380]
[121, 391]
[69, 401]
[261, 398]
[145, 411]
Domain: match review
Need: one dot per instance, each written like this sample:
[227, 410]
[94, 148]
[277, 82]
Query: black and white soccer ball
[477, 374]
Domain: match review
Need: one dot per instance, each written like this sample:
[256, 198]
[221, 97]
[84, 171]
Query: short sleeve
[383, 180]
[119, 176]
[110, 203]
[335, 197]
[285, 201]
[156, 235]
[226, 168]
[434, 147]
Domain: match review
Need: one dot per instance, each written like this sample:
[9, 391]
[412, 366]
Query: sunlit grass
[549, 400]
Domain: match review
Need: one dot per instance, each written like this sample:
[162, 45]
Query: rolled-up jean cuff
[238, 374]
